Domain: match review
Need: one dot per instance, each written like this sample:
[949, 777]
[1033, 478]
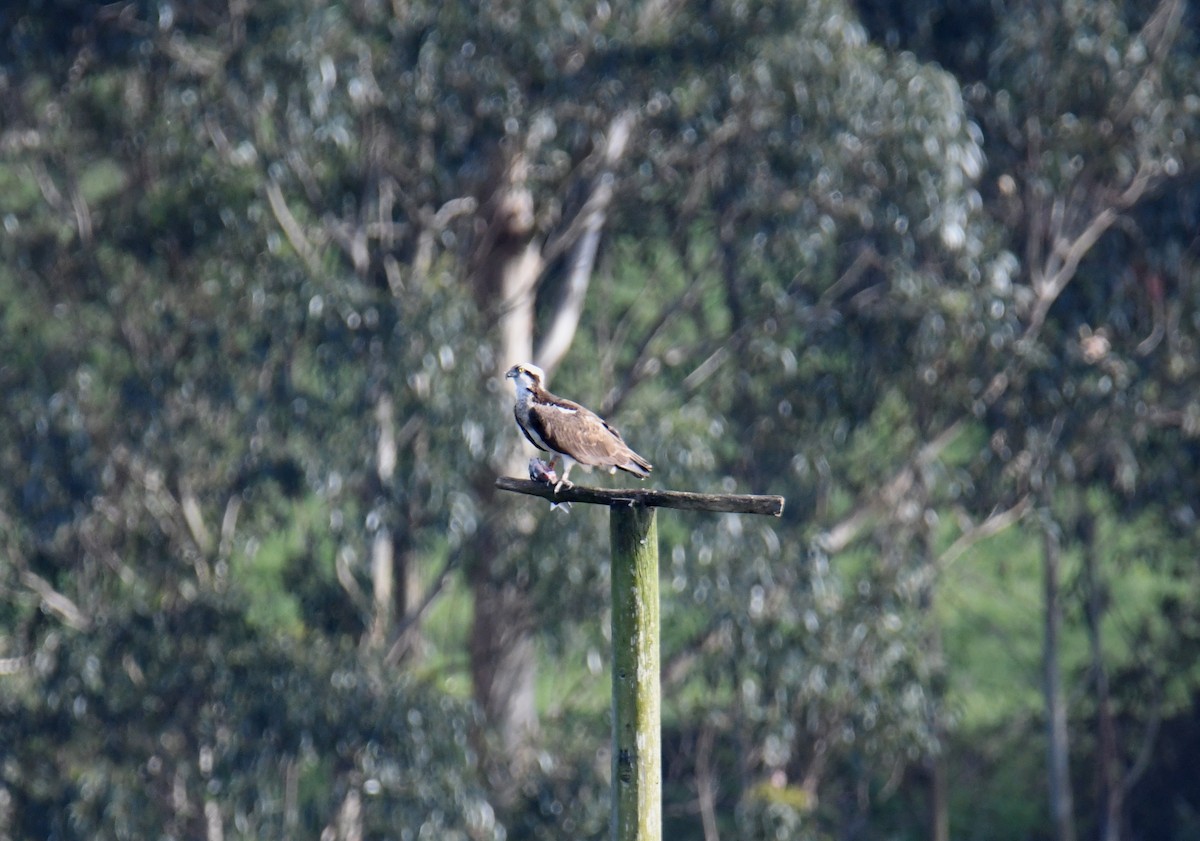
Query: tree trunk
[939, 807]
[410, 596]
[1107, 761]
[503, 663]
[348, 825]
[507, 266]
[1061, 801]
[939, 803]
[382, 549]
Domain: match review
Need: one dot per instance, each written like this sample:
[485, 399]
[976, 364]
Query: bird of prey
[568, 430]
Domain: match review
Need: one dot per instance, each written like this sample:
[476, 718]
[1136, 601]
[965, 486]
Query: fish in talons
[545, 474]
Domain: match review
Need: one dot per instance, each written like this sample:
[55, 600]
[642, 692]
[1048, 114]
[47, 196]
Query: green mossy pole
[637, 725]
[637, 731]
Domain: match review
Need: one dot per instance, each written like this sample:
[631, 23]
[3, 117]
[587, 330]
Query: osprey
[569, 430]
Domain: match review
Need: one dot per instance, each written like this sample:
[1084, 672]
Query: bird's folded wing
[579, 433]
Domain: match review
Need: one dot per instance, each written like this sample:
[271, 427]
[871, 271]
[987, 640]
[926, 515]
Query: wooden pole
[636, 727]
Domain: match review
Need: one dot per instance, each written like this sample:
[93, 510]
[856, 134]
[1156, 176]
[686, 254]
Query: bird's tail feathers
[637, 465]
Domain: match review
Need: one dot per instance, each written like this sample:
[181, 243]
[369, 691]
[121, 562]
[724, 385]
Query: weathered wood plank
[687, 501]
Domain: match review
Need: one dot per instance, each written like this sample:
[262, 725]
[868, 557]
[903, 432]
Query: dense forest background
[927, 269]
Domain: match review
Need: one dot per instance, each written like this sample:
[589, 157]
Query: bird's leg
[563, 483]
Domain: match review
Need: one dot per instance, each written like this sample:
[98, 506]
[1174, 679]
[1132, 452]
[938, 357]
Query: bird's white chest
[522, 413]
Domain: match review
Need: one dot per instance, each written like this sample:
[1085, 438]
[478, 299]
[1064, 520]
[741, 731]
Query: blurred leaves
[234, 233]
[172, 709]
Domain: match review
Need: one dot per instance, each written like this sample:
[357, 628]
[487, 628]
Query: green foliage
[235, 234]
[149, 724]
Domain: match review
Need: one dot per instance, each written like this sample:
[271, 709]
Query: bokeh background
[927, 269]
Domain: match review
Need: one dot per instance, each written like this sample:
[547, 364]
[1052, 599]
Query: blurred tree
[197, 404]
[1086, 117]
[262, 265]
[187, 720]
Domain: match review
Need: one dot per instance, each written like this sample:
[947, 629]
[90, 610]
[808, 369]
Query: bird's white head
[526, 376]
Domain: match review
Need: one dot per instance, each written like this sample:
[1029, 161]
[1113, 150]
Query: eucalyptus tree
[272, 304]
[204, 447]
[1092, 171]
[1097, 150]
[264, 264]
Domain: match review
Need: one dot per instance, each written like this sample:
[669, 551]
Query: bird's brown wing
[585, 436]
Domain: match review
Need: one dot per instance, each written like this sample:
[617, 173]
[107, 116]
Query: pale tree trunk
[410, 599]
[214, 829]
[1107, 762]
[501, 647]
[504, 663]
[1059, 777]
[347, 826]
[383, 573]
[507, 268]
[583, 238]
[382, 551]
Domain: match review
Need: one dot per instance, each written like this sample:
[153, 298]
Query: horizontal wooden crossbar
[721, 503]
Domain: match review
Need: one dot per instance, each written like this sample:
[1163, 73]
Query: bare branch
[229, 526]
[1049, 280]
[706, 368]
[867, 258]
[189, 506]
[677, 667]
[644, 364]
[706, 783]
[990, 527]
[889, 496]
[412, 619]
[55, 602]
[1063, 261]
[432, 224]
[1145, 751]
[1157, 35]
[349, 583]
[291, 228]
[588, 226]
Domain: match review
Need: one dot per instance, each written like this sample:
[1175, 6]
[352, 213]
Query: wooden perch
[650, 498]
[636, 664]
